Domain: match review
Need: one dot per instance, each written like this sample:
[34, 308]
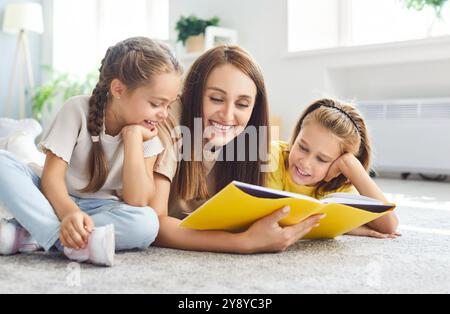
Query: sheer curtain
[322, 24]
[84, 29]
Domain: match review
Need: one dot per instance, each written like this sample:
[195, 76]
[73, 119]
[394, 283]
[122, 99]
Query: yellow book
[239, 205]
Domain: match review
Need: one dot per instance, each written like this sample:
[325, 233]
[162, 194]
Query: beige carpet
[416, 263]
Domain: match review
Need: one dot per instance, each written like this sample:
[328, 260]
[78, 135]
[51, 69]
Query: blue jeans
[135, 227]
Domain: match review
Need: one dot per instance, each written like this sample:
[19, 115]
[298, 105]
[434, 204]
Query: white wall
[7, 51]
[392, 71]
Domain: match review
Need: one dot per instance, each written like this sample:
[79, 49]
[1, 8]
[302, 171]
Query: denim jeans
[20, 194]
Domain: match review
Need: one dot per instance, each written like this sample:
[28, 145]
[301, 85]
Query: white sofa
[18, 137]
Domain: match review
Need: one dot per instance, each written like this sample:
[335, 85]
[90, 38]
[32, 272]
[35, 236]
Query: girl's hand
[266, 235]
[365, 231]
[75, 230]
[138, 130]
[340, 165]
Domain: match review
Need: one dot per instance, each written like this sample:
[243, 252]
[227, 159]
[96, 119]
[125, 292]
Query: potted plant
[419, 5]
[50, 96]
[191, 32]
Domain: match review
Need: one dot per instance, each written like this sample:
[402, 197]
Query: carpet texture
[418, 262]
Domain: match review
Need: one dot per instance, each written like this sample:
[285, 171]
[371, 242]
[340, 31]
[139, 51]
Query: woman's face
[228, 103]
[312, 155]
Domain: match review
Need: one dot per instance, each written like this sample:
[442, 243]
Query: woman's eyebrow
[217, 89]
[246, 97]
[224, 92]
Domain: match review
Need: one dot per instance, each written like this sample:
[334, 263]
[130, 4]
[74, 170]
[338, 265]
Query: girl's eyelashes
[303, 148]
[306, 150]
[153, 104]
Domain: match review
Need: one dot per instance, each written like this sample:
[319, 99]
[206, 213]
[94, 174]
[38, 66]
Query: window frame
[345, 27]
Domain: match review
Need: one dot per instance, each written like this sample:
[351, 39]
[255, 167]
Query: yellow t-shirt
[280, 179]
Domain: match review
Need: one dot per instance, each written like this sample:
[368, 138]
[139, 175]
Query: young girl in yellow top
[330, 152]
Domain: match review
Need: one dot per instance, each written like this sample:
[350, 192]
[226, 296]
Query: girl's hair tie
[95, 139]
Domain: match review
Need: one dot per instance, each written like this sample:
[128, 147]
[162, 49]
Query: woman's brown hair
[345, 122]
[191, 180]
[134, 62]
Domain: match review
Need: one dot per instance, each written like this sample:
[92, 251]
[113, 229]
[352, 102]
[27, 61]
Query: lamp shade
[23, 16]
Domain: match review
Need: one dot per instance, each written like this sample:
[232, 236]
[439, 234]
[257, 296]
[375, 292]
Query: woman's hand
[266, 235]
[365, 231]
[75, 230]
[138, 130]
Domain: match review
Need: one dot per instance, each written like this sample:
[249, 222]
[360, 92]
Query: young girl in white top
[98, 176]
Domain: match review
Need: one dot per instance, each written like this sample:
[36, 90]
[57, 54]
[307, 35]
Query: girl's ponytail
[98, 164]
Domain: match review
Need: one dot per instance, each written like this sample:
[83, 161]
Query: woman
[225, 89]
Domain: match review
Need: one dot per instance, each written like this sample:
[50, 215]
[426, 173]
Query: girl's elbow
[390, 227]
[395, 223]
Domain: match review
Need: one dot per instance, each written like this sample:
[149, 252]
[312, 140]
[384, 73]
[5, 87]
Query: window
[322, 24]
[84, 29]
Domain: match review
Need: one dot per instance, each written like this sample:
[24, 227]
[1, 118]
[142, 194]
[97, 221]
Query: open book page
[262, 192]
[356, 201]
[347, 198]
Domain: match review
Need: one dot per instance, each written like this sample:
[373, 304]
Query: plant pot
[195, 44]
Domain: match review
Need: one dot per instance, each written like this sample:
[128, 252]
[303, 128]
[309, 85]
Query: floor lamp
[20, 19]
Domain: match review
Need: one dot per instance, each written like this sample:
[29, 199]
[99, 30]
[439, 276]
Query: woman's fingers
[274, 218]
[303, 228]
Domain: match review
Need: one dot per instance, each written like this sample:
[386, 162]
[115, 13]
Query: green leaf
[193, 26]
[60, 84]
[419, 5]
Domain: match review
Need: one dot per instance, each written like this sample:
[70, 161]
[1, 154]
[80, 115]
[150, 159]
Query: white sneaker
[15, 239]
[100, 249]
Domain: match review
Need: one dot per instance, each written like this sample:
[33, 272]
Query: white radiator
[410, 135]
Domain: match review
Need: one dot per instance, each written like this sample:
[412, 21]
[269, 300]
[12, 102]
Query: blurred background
[391, 57]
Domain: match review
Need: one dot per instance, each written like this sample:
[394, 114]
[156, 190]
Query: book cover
[239, 205]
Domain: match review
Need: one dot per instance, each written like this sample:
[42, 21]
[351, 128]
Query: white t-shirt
[68, 138]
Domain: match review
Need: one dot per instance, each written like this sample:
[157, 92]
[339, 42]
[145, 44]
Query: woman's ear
[117, 89]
